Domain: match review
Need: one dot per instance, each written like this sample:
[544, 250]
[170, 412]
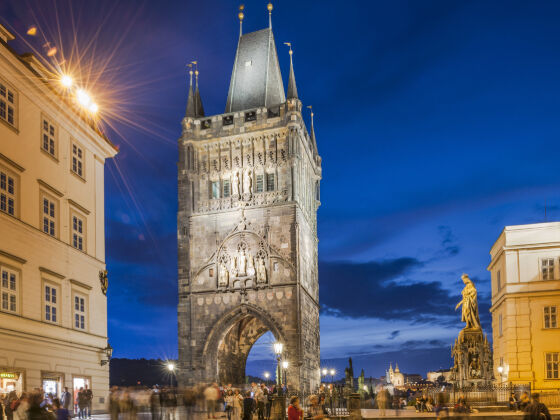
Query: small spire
[191, 112]
[197, 100]
[292, 88]
[241, 16]
[269, 8]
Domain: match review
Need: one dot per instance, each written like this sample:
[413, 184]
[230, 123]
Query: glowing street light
[66, 81]
[324, 371]
[170, 367]
[285, 364]
[266, 376]
[278, 347]
[83, 98]
[93, 108]
[332, 372]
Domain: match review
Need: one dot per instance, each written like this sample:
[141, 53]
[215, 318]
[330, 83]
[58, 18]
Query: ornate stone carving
[235, 184]
[104, 280]
[223, 275]
[248, 182]
[261, 271]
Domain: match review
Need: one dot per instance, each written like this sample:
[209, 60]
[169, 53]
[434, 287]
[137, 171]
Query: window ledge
[10, 126]
[49, 155]
[81, 178]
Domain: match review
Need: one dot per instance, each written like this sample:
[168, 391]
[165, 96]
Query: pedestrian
[315, 410]
[524, 401]
[396, 404]
[65, 399]
[211, 397]
[89, 401]
[294, 410]
[512, 403]
[114, 407]
[189, 401]
[382, 401]
[237, 405]
[248, 406]
[536, 410]
[61, 412]
[82, 404]
[155, 408]
[261, 400]
[229, 403]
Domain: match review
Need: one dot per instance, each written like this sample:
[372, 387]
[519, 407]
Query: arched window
[190, 157]
[317, 191]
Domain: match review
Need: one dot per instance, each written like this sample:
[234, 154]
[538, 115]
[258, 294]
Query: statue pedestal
[472, 357]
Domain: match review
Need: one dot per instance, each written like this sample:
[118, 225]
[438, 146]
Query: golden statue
[470, 305]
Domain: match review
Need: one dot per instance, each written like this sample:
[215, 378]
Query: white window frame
[77, 163]
[78, 239]
[547, 268]
[550, 314]
[49, 217]
[51, 302]
[49, 134]
[8, 191]
[79, 312]
[8, 104]
[226, 188]
[9, 289]
[552, 365]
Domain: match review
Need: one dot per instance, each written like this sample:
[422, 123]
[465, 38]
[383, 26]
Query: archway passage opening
[248, 335]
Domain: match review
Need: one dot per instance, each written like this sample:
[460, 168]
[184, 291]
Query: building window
[547, 268]
[226, 188]
[7, 193]
[77, 160]
[79, 312]
[9, 290]
[48, 143]
[500, 325]
[49, 208]
[552, 366]
[499, 279]
[270, 182]
[550, 317]
[215, 189]
[260, 183]
[8, 98]
[78, 232]
[51, 303]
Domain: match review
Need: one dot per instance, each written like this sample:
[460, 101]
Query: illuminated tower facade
[248, 184]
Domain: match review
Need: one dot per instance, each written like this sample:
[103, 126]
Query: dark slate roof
[256, 80]
[292, 88]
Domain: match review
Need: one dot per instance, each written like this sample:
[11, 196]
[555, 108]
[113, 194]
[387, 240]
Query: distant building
[394, 377]
[525, 272]
[53, 308]
[435, 375]
[412, 378]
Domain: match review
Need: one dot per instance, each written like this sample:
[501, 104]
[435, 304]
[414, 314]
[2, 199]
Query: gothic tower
[248, 184]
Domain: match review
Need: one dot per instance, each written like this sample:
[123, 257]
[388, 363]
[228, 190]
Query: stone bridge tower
[248, 184]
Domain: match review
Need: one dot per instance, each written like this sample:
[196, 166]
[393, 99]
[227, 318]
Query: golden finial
[269, 8]
[241, 15]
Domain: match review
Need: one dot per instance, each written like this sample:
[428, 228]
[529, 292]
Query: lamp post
[171, 369]
[332, 372]
[266, 376]
[285, 366]
[107, 352]
[324, 372]
[501, 371]
[278, 348]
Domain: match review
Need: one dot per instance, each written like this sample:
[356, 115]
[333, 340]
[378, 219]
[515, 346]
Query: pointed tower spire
[199, 109]
[292, 88]
[190, 99]
[241, 16]
[312, 134]
[269, 8]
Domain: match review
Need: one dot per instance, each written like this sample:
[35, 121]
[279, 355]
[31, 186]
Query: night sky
[437, 123]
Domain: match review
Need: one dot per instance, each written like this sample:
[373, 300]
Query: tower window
[547, 268]
[270, 185]
[7, 104]
[77, 160]
[226, 188]
[7, 193]
[228, 120]
[48, 142]
[260, 183]
[499, 280]
[250, 116]
[215, 189]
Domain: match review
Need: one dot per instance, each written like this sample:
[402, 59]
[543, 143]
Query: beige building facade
[53, 304]
[525, 272]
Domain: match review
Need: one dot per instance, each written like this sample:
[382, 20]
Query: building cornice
[45, 270]
[80, 284]
[79, 207]
[12, 257]
[50, 188]
[10, 162]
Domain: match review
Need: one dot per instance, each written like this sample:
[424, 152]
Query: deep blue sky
[437, 122]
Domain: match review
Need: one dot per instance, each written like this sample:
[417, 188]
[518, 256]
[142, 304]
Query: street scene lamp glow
[500, 369]
[278, 347]
[66, 81]
[93, 108]
[170, 367]
[285, 364]
[267, 375]
[83, 98]
[324, 372]
[332, 372]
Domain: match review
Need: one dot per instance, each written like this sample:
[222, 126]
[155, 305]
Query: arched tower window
[317, 191]
[190, 157]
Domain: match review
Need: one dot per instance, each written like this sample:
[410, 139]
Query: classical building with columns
[53, 304]
[525, 272]
[247, 224]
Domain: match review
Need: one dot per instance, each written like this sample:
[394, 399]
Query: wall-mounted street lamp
[266, 376]
[285, 366]
[332, 372]
[106, 354]
[171, 369]
[278, 348]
